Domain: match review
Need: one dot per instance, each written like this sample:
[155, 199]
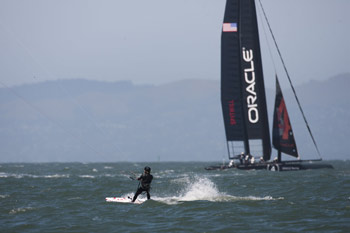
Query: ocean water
[70, 197]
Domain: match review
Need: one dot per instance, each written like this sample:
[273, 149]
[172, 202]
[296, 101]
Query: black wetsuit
[145, 185]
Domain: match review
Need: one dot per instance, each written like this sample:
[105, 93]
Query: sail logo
[249, 77]
[232, 113]
[283, 121]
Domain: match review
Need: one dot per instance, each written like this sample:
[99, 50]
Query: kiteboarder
[145, 183]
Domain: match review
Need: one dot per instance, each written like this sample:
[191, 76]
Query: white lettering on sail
[249, 76]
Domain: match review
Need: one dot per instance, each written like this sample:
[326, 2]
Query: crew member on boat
[252, 160]
[241, 157]
[247, 159]
[231, 164]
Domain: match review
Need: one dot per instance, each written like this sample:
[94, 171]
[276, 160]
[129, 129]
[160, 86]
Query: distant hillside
[80, 120]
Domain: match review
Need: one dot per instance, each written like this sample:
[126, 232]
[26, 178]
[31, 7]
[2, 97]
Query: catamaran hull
[284, 166]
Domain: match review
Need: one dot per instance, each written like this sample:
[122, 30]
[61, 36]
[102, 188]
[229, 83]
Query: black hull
[219, 167]
[283, 166]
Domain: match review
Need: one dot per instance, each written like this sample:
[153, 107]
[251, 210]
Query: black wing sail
[283, 138]
[242, 83]
[231, 87]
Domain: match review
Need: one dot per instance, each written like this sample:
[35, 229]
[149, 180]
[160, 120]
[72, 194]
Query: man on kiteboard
[145, 183]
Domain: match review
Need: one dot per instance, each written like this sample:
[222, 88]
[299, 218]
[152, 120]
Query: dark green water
[70, 197]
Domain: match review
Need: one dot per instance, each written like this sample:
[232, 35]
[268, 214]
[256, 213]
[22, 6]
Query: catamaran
[243, 99]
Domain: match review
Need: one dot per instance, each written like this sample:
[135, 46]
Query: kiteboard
[123, 200]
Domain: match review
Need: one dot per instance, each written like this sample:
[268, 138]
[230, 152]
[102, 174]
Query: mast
[245, 138]
[242, 84]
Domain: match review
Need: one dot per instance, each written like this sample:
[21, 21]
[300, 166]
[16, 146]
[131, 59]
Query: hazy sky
[158, 41]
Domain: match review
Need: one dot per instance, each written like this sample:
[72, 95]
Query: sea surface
[70, 197]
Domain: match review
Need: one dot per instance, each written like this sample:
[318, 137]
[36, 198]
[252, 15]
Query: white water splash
[203, 189]
[199, 189]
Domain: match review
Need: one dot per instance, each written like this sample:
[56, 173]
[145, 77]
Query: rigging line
[290, 81]
[39, 64]
[267, 41]
[49, 118]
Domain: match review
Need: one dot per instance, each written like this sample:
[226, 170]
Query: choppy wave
[164, 173]
[87, 176]
[74, 198]
[55, 176]
[20, 210]
[19, 176]
[71, 197]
